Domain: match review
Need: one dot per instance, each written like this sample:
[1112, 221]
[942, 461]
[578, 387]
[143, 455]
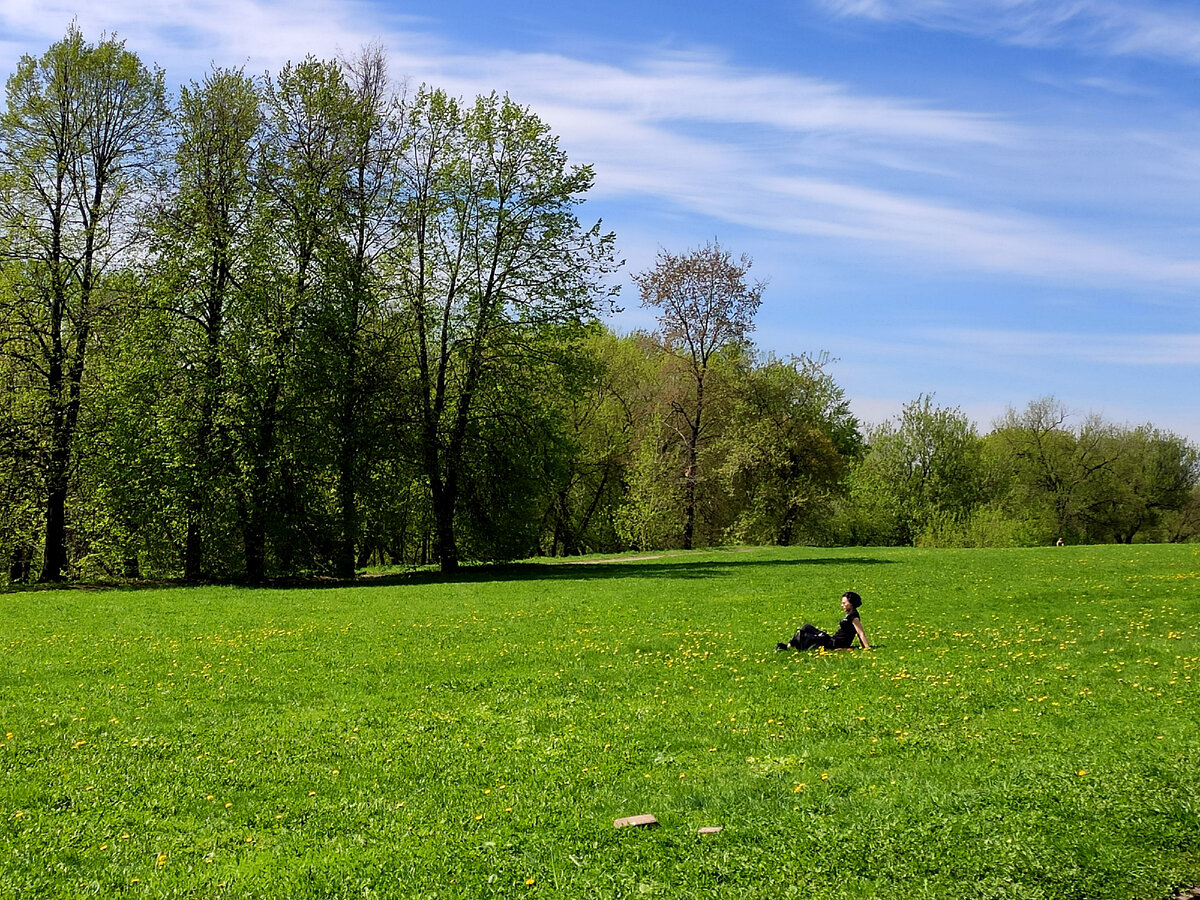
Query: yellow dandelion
[1081, 772]
[529, 881]
[162, 860]
[798, 788]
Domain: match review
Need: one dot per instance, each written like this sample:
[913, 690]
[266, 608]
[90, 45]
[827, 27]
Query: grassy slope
[1026, 728]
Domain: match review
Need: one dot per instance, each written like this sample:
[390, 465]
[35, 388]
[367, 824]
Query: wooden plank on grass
[644, 821]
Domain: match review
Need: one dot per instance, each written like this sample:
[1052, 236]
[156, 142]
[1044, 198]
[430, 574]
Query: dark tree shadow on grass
[586, 570]
[665, 566]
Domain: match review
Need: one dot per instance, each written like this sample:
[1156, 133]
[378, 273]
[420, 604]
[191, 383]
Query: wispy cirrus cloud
[780, 152]
[805, 157]
[1126, 28]
[1142, 350]
[186, 36]
[701, 86]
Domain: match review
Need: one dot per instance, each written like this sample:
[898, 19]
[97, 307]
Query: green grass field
[1025, 728]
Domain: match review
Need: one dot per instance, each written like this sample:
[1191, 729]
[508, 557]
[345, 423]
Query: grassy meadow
[1026, 727]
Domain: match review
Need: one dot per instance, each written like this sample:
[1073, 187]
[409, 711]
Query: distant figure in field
[1058, 543]
[850, 627]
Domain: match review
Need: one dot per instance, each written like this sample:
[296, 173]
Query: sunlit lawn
[1026, 728]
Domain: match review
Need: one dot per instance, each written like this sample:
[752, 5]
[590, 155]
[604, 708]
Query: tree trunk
[255, 529]
[193, 548]
[344, 561]
[689, 505]
[254, 536]
[446, 548]
[54, 560]
[690, 474]
[344, 565]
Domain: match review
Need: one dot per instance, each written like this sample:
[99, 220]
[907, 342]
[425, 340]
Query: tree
[1098, 481]
[602, 407]
[494, 255]
[1056, 470]
[1183, 524]
[304, 178]
[791, 444]
[706, 303]
[921, 467]
[80, 134]
[206, 235]
[353, 321]
[1152, 474]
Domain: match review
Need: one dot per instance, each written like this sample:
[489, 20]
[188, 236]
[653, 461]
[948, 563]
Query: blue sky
[989, 201]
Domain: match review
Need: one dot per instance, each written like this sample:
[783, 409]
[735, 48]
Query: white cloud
[767, 150]
[186, 36]
[1104, 349]
[1126, 28]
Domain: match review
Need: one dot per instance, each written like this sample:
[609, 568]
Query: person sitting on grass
[850, 627]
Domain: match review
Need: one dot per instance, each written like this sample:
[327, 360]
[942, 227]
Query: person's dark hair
[855, 600]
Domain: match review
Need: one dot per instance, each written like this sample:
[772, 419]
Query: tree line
[308, 322]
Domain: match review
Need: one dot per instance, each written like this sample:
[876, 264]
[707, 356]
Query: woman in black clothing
[849, 628]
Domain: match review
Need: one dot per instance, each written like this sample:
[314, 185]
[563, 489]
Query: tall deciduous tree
[600, 410]
[304, 176]
[206, 236]
[354, 320]
[1153, 474]
[706, 302]
[791, 444]
[1053, 466]
[494, 254]
[922, 466]
[81, 130]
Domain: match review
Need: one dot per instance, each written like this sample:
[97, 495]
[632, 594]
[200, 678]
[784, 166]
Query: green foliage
[1183, 524]
[79, 140]
[790, 446]
[517, 455]
[1093, 482]
[649, 515]
[600, 406]
[985, 525]
[706, 305]
[209, 240]
[1024, 729]
[921, 467]
[494, 255]
[317, 323]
